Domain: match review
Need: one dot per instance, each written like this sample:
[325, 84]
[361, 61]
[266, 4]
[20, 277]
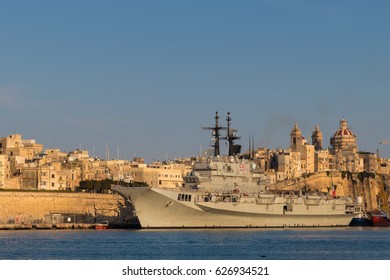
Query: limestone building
[321, 160]
[159, 175]
[13, 145]
[300, 145]
[16, 152]
[283, 164]
[56, 155]
[369, 162]
[321, 156]
[47, 176]
[289, 163]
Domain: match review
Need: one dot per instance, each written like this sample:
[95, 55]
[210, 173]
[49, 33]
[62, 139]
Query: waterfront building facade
[25, 165]
[305, 158]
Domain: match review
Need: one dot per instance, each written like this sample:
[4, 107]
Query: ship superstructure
[226, 174]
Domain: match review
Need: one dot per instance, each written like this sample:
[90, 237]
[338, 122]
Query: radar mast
[216, 135]
[231, 136]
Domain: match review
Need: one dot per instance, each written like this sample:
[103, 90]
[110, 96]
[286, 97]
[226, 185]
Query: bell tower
[295, 137]
[316, 139]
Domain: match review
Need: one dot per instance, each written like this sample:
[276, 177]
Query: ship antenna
[253, 146]
[231, 136]
[216, 135]
[250, 148]
[251, 153]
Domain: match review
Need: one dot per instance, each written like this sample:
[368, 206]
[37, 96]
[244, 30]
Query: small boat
[102, 225]
[361, 221]
[379, 218]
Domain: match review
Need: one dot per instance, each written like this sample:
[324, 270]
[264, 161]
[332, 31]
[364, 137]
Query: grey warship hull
[164, 208]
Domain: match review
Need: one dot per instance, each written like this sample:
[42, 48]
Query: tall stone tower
[295, 137]
[305, 150]
[316, 139]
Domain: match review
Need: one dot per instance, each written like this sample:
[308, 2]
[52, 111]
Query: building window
[52, 175]
[52, 184]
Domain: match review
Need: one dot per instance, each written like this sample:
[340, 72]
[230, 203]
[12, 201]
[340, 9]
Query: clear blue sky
[147, 75]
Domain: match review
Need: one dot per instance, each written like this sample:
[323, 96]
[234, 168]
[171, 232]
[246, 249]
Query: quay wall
[45, 207]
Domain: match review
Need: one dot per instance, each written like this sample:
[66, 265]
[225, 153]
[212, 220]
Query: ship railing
[266, 200]
[218, 198]
[224, 196]
[315, 199]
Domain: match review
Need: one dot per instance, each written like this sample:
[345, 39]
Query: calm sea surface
[277, 244]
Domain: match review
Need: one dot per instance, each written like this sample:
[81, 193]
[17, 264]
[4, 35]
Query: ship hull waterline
[155, 210]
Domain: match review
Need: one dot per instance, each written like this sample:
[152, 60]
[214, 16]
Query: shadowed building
[316, 139]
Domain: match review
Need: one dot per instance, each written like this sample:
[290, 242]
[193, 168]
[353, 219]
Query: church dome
[343, 130]
[343, 139]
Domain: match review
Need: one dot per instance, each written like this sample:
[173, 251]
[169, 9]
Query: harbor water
[345, 243]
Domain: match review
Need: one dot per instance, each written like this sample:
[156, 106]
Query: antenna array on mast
[231, 136]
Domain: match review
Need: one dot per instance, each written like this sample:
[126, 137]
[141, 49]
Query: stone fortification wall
[41, 207]
[371, 189]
